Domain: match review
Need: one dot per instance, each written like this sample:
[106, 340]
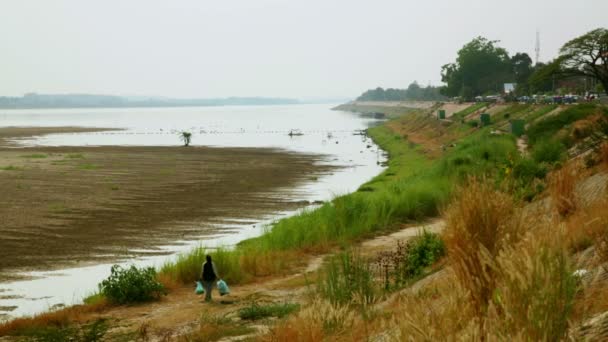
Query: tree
[186, 137]
[544, 76]
[521, 64]
[481, 67]
[587, 56]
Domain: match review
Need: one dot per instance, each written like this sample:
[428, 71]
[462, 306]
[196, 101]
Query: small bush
[548, 151]
[526, 170]
[423, 251]
[410, 259]
[256, 311]
[131, 285]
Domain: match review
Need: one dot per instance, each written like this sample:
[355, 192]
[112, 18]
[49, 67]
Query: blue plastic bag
[199, 288]
[222, 287]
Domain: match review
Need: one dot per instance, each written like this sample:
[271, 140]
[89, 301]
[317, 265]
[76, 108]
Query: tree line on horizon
[414, 92]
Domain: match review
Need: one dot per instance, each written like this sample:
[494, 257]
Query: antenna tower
[537, 46]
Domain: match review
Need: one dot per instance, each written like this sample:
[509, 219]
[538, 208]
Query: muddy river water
[316, 130]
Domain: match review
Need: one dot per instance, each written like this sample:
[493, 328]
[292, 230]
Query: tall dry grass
[477, 228]
[562, 185]
[535, 288]
[532, 296]
[603, 152]
[319, 321]
[440, 312]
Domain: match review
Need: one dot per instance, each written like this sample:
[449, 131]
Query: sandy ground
[65, 206]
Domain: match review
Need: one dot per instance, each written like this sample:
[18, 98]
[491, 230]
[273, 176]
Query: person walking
[208, 277]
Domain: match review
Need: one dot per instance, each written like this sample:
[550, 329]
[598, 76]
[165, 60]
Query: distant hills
[34, 100]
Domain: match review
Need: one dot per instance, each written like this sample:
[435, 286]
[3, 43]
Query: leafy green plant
[409, 259]
[422, 252]
[131, 285]
[548, 151]
[526, 170]
[256, 311]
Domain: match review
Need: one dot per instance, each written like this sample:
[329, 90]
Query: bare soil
[65, 206]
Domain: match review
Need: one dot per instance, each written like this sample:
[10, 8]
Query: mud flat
[69, 206]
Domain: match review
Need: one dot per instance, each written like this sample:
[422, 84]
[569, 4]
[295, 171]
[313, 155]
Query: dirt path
[522, 146]
[179, 313]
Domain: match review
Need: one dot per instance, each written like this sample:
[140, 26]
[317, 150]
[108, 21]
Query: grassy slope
[412, 188]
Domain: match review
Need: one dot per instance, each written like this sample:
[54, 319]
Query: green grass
[545, 109]
[88, 166]
[34, 156]
[411, 188]
[463, 113]
[11, 168]
[256, 311]
[74, 156]
[347, 278]
[548, 127]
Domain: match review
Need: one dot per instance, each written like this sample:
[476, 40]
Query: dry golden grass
[476, 230]
[59, 318]
[441, 312]
[270, 263]
[603, 151]
[535, 289]
[319, 321]
[589, 226]
[562, 184]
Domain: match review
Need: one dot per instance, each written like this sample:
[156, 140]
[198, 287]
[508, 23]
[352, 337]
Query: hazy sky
[324, 48]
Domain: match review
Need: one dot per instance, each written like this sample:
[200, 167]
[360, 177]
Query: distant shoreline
[64, 101]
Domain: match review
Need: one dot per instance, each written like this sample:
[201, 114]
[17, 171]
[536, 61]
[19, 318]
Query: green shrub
[256, 311]
[526, 170]
[548, 151]
[131, 285]
[421, 253]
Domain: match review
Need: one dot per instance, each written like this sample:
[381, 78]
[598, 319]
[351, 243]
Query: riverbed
[323, 157]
